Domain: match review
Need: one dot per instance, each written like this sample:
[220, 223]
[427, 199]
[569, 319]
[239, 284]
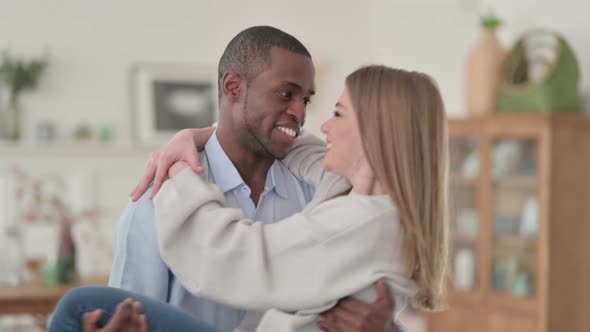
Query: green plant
[21, 74]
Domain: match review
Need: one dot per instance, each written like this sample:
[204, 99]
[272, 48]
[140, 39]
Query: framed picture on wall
[168, 98]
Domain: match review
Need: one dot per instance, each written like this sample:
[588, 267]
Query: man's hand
[184, 146]
[356, 316]
[129, 317]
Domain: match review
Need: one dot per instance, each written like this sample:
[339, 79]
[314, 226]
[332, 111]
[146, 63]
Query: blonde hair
[403, 125]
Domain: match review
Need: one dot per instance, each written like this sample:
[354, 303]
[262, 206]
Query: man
[266, 80]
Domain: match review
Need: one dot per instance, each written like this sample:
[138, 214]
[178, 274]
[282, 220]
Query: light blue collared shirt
[138, 266]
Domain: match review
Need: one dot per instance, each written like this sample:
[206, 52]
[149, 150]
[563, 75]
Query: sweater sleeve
[306, 157]
[218, 253]
[306, 161]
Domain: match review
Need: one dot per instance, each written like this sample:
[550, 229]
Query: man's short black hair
[248, 53]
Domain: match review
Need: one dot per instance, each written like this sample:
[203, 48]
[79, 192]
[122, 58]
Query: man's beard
[255, 143]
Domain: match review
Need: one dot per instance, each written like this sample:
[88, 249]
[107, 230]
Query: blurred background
[91, 87]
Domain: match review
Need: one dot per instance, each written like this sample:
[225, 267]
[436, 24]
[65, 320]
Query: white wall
[429, 36]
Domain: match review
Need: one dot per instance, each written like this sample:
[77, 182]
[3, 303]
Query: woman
[387, 138]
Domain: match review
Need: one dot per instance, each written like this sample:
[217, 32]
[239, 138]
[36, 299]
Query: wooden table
[33, 299]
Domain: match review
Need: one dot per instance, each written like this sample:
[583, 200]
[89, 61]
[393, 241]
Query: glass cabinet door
[464, 215]
[514, 217]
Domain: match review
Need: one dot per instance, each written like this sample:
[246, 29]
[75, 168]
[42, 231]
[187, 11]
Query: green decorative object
[540, 74]
[105, 134]
[18, 75]
[49, 276]
[490, 21]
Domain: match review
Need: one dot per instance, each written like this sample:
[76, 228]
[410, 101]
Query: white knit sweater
[288, 272]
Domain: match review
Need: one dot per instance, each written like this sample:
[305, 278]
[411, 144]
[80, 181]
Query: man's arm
[137, 265]
[357, 316]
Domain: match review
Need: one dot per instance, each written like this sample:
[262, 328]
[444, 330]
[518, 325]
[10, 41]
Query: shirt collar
[224, 172]
[227, 177]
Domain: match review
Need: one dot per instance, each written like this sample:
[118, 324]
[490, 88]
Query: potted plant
[17, 75]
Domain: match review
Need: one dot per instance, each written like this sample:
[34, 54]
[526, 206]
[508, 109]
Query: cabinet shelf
[92, 149]
[465, 238]
[514, 241]
[516, 182]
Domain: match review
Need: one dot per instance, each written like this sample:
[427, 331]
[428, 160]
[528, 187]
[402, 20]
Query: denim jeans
[161, 317]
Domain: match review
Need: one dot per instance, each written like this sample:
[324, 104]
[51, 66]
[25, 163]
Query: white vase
[10, 122]
[94, 256]
[529, 223]
[464, 265]
[14, 270]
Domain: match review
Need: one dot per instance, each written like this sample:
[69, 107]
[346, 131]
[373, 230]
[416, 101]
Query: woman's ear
[231, 86]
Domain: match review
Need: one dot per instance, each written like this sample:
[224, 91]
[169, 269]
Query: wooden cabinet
[511, 323]
[520, 224]
[458, 318]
